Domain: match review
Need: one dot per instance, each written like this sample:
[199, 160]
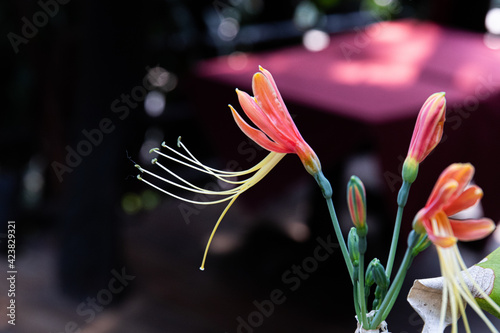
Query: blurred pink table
[365, 90]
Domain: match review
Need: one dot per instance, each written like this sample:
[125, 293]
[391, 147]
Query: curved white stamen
[456, 290]
[195, 160]
[196, 202]
[219, 174]
[256, 173]
[188, 183]
[192, 187]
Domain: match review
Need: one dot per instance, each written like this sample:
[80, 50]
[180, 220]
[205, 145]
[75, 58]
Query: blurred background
[89, 87]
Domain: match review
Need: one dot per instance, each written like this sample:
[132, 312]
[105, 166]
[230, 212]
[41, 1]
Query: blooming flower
[277, 133]
[450, 195]
[426, 134]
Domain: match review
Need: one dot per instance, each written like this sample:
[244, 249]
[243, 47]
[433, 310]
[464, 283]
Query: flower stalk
[427, 133]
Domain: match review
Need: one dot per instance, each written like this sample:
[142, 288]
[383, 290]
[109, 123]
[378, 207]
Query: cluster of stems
[374, 276]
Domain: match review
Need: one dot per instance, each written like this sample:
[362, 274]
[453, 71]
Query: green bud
[353, 246]
[379, 297]
[410, 170]
[379, 275]
[369, 279]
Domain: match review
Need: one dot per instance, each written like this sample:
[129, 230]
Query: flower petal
[271, 102]
[258, 136]
[261, 119]
[460, 172]
[442, 241]
[285, 114]
[439, 230]
[467, 199]
[469, 230]
[440, 196]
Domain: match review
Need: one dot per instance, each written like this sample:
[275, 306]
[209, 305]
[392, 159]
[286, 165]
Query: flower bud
[428, 128]
[353, 246]
[369, 279]
[356, 202]
[379, 274]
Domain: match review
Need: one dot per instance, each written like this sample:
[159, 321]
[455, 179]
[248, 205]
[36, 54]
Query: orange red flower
[276, 130]
[452, 194]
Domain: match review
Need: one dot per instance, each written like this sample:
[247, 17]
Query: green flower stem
[394, 242]
[392, 294]
[361, 289]
[356, 302]
[402, 198]
[340, 238]
[327, 191]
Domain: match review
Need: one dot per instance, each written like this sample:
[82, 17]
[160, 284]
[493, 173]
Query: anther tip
[139, 177]
[179, 141]
[154, 160]
[202, 268]
[153, 149]
[163, 144]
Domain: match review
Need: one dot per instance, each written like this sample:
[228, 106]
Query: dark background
[77, 225]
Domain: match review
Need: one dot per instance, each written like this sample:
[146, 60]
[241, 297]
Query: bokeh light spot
[383, 3]
[161, 78]
[150, 199]
[237, 60]
[228, 29]
[492, 21]
[316, 40]
[492, 41]
[306, 15]
[154, 104]
[131, 203]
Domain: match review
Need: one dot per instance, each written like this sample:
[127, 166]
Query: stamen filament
[194, 188]
[219, 174]
[184, 199]
[202, 267]
[194, 160]
[260, 170]
[453, 271]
